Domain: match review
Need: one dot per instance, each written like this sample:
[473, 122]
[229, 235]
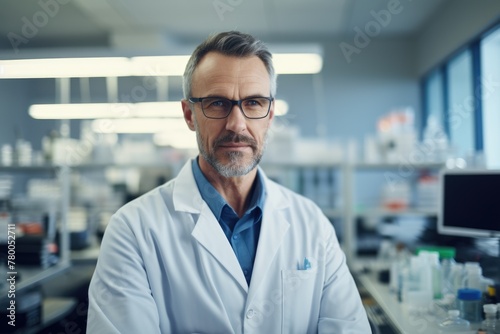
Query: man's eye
[217, 103]
[252, 103]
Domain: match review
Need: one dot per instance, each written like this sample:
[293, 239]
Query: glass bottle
[498, 317]
[489, 324]
[453, 323]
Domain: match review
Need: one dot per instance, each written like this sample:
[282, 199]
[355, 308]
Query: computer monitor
[470, 203]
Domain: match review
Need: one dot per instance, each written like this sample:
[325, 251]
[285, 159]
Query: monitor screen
[470, 203]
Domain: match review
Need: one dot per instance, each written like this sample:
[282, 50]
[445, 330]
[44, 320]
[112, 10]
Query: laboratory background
[388, 118]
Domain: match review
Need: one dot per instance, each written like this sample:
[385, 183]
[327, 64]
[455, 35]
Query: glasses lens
[216, 107]
[256, 107]
[219, 107]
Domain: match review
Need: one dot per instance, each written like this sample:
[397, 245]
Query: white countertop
[403, 320]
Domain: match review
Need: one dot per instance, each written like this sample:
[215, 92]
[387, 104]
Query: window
[434, 97]
[461, 104]
[463, 95]
[490, 69]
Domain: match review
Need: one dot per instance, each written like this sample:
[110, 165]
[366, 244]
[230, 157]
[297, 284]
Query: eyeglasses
[220, 107]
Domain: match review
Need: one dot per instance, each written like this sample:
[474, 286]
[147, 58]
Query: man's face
[233, 146]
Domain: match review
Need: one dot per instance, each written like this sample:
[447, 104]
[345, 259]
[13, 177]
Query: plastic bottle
[425, 277]
[469, 304]
[417, 285]
[447, 268]
[489, 324]
[453, 323]
[437, 274]
[448, 265]
[457, 276]
[473, 276]
[399, 264]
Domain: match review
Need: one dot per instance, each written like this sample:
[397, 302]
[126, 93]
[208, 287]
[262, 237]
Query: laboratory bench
[385, 311]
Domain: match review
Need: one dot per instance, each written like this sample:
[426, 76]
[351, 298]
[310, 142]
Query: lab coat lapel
[207, 230]
[209, 234]
[186, 196]
[273, 229]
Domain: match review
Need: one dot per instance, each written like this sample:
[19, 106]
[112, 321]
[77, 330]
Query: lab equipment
[469, 304]
[473, 276]
[469, 203]
[431, 259]
[444, 269]
[417, 291]
[448, 264]
[453, 323]
[489, 324]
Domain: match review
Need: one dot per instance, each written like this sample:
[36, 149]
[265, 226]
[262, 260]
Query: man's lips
[235, 142]
[235, 145]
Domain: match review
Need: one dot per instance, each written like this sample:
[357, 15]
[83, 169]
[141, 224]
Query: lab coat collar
[208, 233]
[187, 198]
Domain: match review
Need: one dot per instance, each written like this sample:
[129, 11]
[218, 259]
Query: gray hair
[231, 43]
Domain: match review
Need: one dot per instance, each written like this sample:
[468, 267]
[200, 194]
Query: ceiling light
[159, 65]
[168, 109]
[297, 63]
[137, 125]
[285, 63]
[64, 68]
[182, 139]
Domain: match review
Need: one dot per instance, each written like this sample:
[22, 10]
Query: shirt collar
[216, 202]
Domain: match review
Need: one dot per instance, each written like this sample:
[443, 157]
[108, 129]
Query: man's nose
[236, 121]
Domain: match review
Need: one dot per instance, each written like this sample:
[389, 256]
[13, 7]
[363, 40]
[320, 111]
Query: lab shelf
[396, 166]
[24, 169]
[101, 166]
[304, 164]
[27, 277]
[30, 276]
[404, 170]
[382, 212]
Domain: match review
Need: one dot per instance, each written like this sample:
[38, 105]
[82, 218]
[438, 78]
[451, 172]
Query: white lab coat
[166, 266]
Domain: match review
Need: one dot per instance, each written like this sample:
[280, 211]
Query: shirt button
[245, 272]
[235, 237]
[250, 314]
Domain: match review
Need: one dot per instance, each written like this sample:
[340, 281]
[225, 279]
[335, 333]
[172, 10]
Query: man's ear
[188, 114]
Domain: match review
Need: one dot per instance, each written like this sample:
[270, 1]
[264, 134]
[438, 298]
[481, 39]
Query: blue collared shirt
[242, 233]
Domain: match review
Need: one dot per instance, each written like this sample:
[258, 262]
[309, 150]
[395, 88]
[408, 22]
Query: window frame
[442, 68]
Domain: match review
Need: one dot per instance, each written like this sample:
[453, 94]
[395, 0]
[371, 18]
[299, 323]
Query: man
[221, 248]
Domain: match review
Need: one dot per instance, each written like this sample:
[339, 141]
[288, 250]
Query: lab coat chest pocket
[300, 300]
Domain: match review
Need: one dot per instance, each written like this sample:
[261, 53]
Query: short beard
[233, 168]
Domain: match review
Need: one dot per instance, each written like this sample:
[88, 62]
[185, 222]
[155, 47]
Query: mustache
[235, 138]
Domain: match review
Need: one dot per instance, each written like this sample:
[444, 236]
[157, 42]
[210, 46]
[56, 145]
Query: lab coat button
[250, 314]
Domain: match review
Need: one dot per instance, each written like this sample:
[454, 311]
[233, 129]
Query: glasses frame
[233, 103]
